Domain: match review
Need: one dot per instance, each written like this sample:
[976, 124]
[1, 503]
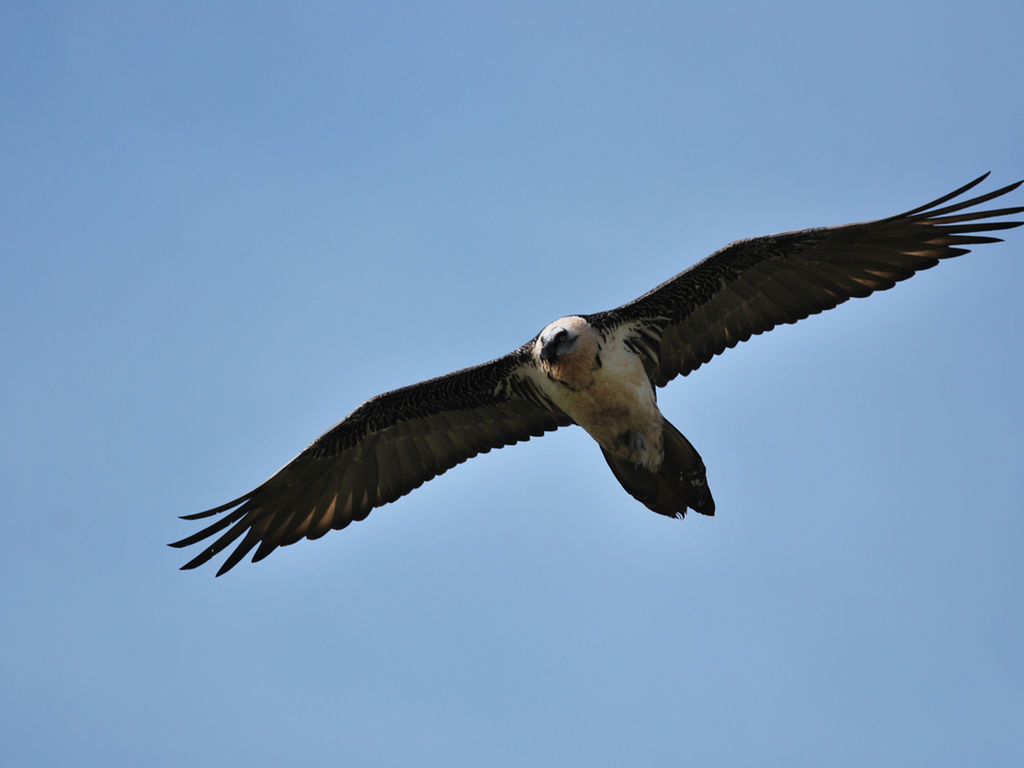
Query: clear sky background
[225, 225]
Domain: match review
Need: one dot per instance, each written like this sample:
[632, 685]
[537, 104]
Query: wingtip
[222, 508]
[1008, 188]
[181, 543]
[197, 515]
[191, 565]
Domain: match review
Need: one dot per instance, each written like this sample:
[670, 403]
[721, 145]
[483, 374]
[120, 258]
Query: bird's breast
[617, 406]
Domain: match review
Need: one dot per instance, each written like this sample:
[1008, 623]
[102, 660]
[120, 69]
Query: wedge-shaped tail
[680, 484]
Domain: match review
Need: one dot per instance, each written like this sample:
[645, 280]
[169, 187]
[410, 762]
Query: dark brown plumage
[750, 286]
[395, 442]
[680, 484]
[388, 446]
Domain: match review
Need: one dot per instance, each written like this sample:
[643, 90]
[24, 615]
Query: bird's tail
[680, 484]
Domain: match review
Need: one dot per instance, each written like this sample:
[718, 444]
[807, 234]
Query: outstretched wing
[751, 286]
[388, 446]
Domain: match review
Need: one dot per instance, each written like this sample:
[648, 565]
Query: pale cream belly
[624, 420]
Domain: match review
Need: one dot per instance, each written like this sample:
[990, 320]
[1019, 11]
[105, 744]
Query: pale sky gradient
[225, 225]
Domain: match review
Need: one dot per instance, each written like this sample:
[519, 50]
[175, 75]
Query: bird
[598, 371]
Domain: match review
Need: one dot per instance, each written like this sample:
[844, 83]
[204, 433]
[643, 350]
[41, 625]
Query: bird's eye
[560, 336]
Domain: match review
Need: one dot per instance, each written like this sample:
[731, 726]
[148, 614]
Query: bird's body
[598, 371]
[603, 387]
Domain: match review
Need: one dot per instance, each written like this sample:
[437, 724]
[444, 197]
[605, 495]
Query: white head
[567, 350]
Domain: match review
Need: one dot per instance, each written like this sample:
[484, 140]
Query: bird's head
[568, 349]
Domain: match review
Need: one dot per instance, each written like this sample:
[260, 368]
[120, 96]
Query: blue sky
[226, 225]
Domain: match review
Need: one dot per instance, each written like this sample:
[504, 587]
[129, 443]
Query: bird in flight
[599, 371]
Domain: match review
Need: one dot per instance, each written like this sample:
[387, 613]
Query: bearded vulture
[598, 371]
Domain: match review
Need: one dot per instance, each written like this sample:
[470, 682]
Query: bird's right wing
[388, 446]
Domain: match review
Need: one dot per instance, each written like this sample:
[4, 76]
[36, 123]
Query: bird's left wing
[753, 285]
[388, 446]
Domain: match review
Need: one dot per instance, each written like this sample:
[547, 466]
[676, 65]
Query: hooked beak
[549, 352]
